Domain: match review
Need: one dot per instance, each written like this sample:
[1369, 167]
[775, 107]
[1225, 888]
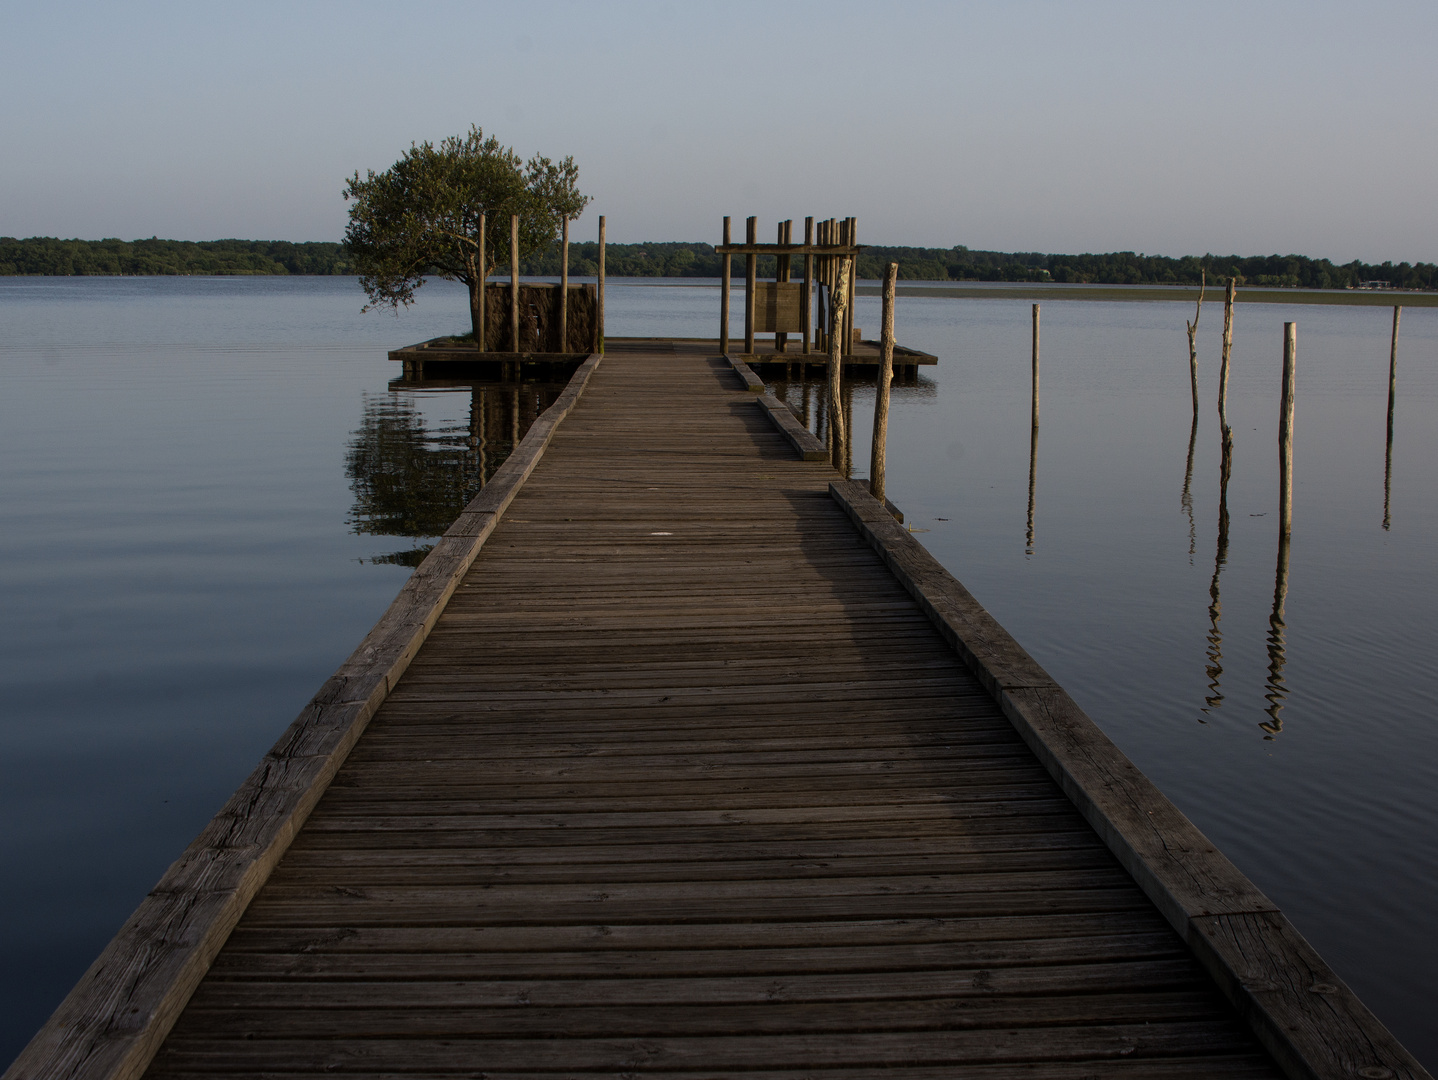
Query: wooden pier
[679, 756]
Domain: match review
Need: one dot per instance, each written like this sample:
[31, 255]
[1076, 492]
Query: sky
[1166, 128]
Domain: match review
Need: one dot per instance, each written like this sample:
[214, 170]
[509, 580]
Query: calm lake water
[211, 493]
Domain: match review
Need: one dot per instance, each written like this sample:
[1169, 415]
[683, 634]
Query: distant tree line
[49, 256]
[45, 255]
[962, 264]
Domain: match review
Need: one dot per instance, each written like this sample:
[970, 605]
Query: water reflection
[411, 477]
[1185, 500]
[808, 398]
[1033, 479]
[1275, 692]
[1214, 667]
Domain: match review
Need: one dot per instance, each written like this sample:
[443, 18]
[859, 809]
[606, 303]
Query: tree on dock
[422, 216]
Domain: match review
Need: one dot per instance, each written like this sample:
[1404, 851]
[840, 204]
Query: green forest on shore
[49, 256]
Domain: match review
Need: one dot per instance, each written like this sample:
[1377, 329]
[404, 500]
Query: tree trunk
[476, 322]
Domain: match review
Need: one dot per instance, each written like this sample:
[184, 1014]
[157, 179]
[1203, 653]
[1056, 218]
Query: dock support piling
[751, 270]
[781, 273]
[481, 331]
[837, 312]
[599, 297]
[564, 286]
[724, 266]
[514, 282]
[1285, 431]
[881, 392]
[808, 283]
[1036, 368]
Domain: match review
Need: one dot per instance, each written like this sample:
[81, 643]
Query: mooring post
[836, 405]
[1036, 368]
[1227, 352]
[483, 273]
[599, 298]
[751, 269]
[881, 394]
[1192, 346]
[514, 281]
[808, 281]
[724, 266]
[1285, 430]
[564, 286]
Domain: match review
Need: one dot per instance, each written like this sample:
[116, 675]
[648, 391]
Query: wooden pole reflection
[1185, 500]
[1033, 477]
[1214, 667]
[1276, 691]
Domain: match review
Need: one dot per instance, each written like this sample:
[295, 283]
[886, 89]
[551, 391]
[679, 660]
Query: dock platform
[680, 757]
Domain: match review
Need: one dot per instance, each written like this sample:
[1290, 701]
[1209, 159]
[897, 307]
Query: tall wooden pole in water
[751, 273]
[1036, 366]
[564, 287]
[881, 394]
[1392, 396]
[514, 281]
[1285, 431]
[724, 295]
[483, 273]
[837, 308]
[1192, 347]
[599, 298]
[1227, 353]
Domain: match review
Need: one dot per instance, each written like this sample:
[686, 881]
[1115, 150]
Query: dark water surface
[210, 494]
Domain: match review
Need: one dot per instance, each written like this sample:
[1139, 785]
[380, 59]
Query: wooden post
[751, 269]
[599, 298]
[853, 285]
[1392, 396]
[1036, 368]
[780, 261]
[1285, 430]
[724, 265]
[483, 273]
[1192, 348]
[808, 282]
[564, 287]
[881, 392]
[1227, 352]
[514, 281]
[836, 404]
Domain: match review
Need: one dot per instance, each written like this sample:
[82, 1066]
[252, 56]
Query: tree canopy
[421, 216]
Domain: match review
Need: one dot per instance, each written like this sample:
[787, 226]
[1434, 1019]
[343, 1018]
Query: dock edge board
[804, 441]
[1300, 1010]
[113, 1022]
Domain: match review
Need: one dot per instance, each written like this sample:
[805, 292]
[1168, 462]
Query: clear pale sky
[1063, 127]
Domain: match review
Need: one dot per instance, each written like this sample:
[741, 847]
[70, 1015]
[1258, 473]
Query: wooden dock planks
[684, 783]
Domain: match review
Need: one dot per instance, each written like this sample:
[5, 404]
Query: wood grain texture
[1301, 1011]
[683, 781]
[122, 1008]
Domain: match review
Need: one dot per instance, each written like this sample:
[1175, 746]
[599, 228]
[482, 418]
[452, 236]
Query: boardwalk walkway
[685, 783]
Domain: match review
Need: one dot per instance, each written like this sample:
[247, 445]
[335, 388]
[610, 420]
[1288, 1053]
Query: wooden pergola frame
[836, 242]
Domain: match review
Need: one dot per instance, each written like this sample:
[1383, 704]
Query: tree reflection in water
[411, 478]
